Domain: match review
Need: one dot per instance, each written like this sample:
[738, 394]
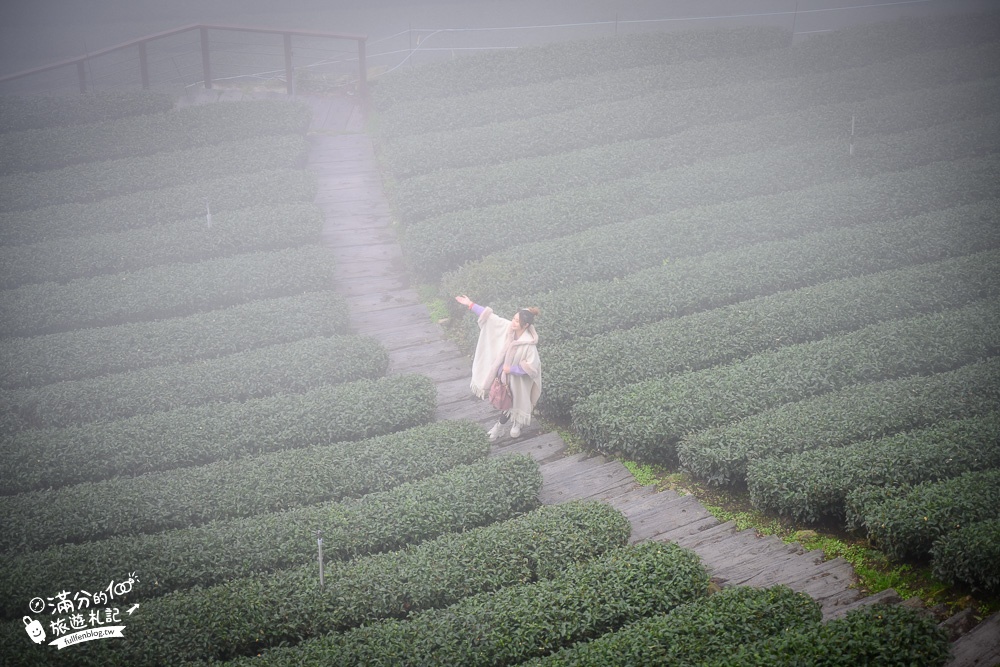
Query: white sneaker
[515, 430]
[495, 431]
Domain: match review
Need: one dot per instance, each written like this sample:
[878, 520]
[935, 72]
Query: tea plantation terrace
[371, 274]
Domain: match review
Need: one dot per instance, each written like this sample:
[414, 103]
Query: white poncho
[497, 348]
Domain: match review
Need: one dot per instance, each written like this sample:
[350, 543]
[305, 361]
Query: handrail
[141, 42]
[282, 31]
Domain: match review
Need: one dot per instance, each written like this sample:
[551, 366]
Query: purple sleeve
[477, 309]
[517, 370]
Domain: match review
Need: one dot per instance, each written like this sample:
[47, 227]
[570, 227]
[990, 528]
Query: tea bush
[161, 206]
[454, 189]
[163, 291]
[188, 496]
[646, 419]
[90, 182]
[286, 368]
[620, 248]
[232, 232]
[699, 630]
[888, 636]
[24, 112]
[177, 129]
[86, 353]
[970, 555]
[461, 498]
[905, 521]
[723, 334]
[437, 245]
[244, 616]
[877, 409]
[502, 69]
[812, 486]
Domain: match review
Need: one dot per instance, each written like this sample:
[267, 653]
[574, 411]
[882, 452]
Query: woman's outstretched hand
[464, 300]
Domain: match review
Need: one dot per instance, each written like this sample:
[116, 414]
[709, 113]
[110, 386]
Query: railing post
[142, 43]
[206, 65]
[289, 72]
[144, 65]
[362, 75]
[82, 73]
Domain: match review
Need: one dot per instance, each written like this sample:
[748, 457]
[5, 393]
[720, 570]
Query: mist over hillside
[38, 32]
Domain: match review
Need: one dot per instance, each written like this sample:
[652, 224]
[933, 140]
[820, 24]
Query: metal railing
[142, 43]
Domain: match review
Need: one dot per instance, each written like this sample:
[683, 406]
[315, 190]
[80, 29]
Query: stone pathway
[370, 273]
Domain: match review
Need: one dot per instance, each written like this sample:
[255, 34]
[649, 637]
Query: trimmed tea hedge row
[455, 189]
[854, 46]
[812, 485]
[517, 67]
[724, 334]
[888, 636]
[527, 101]
[25, 112]
[665, 112]
[695, 631]
[904, 521]
[170, 290]
[839, 418]
[618, 249]
[90, 182]
[190, 127]
[702, 282]
[286, 368]
[511, 625]
[157, 207]
[970, 555]
[646, 419]
[187, 437]
[458, 499]
[230, 489]
[440, 244]
[249, 230]
[244, 616]
[85, 353]
[10, 423]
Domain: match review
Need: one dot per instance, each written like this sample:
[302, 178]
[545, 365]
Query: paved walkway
[369, 272]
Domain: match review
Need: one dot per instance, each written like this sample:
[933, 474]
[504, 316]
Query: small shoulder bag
[501, 397]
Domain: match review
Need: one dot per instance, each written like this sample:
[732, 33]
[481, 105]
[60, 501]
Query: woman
[507, 348]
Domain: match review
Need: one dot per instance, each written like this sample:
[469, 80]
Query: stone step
[542, 448]
[831, 605]
[590, 483]
[786, 571]
[959, 624]
[622, 501]
[665, 514]
[737, 549]
[740, 574]
[571, 462]
[639, 503]
[710, 536]
[696, 523]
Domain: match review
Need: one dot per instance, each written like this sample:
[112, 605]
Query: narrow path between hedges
[369, 272]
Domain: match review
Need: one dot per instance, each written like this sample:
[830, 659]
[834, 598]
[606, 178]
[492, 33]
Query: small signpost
[319, 545]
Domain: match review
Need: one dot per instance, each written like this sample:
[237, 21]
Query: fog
[37, 32]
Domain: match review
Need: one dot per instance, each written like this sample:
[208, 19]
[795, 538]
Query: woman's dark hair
[527, 315]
